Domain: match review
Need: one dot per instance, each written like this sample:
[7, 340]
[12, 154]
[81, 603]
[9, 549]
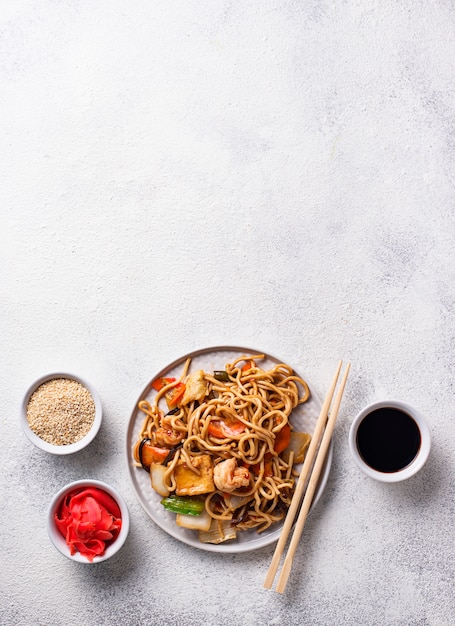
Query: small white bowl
[59, 541]
[419, 460]
[69, 448]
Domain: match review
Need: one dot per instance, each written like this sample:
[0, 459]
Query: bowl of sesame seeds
[61, 413]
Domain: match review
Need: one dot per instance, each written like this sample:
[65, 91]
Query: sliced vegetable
[247, 366]
[226, 427]
[234, 502]
[267, 463]
[222, 376]
[172, 452]
[298, 444]
[219, 531]
[173, 411]
[240, 516]
[148, 454]
[184, 505]
[174, 394]
[194, 522]
[282, 439]
[161, 382]
[157, 472]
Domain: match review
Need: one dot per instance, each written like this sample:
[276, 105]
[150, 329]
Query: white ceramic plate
[303, 418]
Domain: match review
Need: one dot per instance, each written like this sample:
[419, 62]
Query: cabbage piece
[219, 531]
[157, 472]
[194, 522]
[299, 445]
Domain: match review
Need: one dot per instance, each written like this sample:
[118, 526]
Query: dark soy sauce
[388, 439]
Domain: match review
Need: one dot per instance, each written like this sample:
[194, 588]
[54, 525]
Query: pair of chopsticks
[312, 468]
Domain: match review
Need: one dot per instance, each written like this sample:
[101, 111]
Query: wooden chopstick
[286, 570]
[307, 465]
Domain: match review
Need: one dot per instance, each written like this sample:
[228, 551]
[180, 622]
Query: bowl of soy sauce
[390, 440]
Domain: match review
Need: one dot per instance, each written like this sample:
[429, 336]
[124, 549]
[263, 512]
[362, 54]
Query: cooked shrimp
[228, 477]
[166, 436]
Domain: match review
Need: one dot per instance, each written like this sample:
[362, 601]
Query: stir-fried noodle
[230, 430]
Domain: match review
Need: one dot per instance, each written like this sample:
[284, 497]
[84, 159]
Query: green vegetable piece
[183, 505]
[222, 376]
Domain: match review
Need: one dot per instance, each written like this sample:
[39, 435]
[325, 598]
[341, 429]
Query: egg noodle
[239, 423]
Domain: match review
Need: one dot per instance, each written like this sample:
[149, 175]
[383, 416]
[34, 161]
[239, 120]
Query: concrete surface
[177, 175]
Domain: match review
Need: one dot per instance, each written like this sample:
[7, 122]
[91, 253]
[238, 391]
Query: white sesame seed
[61, 411]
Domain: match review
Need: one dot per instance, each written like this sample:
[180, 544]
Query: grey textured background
[176, 175]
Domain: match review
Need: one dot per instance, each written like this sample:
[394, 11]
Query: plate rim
[228, 547]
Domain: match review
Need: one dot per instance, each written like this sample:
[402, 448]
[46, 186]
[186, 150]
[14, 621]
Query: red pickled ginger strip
[89, 520]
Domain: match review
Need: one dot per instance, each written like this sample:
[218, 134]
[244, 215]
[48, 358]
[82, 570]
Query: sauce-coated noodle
[230, 432]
